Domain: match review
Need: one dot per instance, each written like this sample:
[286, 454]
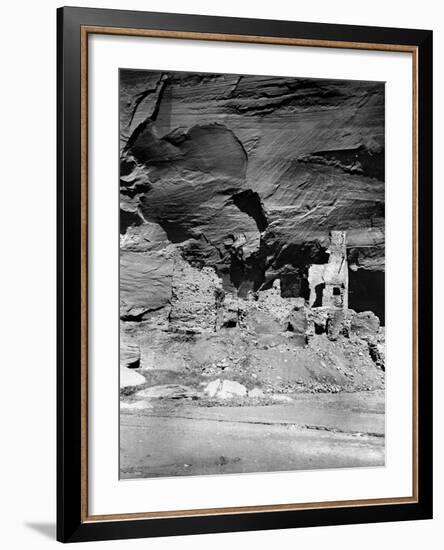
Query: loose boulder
[225, 389]
[129, 353]
[364, 324]
[129, 378]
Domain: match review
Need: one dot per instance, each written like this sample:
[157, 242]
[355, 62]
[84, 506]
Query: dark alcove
[366, 292]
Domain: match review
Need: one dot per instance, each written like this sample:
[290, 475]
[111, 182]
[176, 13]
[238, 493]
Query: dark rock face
[246, 175]
[145, 284]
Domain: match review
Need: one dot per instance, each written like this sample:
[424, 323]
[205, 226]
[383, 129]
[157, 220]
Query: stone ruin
[200, 305]
[197, 304]
[196, 298]
[329, 282]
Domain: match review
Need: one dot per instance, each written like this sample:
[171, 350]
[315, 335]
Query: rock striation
[230, 186]
[249, 174]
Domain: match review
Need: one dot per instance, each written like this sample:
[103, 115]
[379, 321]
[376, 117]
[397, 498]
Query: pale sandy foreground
[179, 438]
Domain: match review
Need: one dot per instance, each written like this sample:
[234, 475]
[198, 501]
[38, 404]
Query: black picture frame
[73, 523]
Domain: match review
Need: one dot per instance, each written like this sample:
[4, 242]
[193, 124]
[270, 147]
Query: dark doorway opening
[319, 289]
[366, 292]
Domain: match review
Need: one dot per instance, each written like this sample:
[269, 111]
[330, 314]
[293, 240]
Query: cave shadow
[45, 528]
[366, 292]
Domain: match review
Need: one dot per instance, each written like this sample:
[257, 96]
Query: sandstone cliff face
[246, 175]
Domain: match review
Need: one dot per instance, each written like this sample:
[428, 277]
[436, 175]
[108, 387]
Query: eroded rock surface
[145, 283]
[231, 188]
[251, 173]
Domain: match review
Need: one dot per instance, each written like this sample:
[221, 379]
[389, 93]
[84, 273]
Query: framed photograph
[244, 274]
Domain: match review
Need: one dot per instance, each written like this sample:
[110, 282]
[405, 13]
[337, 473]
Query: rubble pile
[257, 346]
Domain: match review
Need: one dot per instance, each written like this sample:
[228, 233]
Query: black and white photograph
[225, 217]
[251, 274]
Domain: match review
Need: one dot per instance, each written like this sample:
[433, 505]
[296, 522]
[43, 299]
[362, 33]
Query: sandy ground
[177, 438]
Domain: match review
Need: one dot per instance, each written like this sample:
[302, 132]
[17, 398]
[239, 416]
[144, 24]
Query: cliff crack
[250, 203]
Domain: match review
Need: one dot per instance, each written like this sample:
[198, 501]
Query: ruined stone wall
[329, 282]
[196, 297]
